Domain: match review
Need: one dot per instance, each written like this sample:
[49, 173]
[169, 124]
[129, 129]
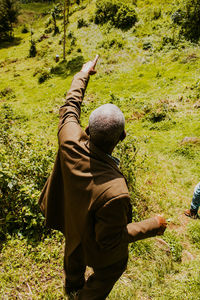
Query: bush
[32, 50]
[81, 23]
[156, 14]
[44, 75]
[9, 11]
[127, 152]
[24, 29]
[121, 15]
[147, 45]
[156, 114]
[188, 18]
[177, 17]
[48, 30]
[112, 42]
[48, 22]
[5, 92]
[68, 67]
[24, 168]
[188, 151]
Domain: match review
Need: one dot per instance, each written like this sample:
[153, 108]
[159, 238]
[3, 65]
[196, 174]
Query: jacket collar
[102, 155]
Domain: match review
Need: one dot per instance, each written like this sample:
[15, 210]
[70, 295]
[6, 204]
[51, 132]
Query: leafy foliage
[174, 244]
[128, 153]
[194, 233]
[189, 19]
[81, 23]
[55, 13]
[112, 41]
[8, 15]
[32, 50]
[121, 15]
[43, 76]
[23, 170]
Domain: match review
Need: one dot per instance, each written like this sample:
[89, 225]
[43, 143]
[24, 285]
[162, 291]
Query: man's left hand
[162, 223]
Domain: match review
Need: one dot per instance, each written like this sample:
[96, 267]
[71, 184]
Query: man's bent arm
[145, 229]
[112, 230]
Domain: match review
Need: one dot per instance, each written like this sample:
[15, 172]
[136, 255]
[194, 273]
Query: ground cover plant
[151, 70]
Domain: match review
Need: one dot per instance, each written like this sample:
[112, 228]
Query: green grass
[141, 82]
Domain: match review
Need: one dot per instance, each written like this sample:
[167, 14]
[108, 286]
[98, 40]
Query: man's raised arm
[71, 110]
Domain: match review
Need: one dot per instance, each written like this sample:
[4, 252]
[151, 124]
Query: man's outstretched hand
[162, 223]
[89, 67]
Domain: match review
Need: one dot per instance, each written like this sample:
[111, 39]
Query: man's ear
[87, 130]
[123, 135]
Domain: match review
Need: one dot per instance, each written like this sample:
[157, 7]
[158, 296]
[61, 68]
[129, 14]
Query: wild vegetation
[150, 67]
[8, 15]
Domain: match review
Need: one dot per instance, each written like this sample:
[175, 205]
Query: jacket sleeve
[70, 111]
[111, 226]
[142, 230]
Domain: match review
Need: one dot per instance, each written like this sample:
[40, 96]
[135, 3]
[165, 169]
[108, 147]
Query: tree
[191, 20]
[65, 21]
[188, 18]
[55, 13]
[8, 15]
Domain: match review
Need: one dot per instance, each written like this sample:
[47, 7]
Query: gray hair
[106, 125]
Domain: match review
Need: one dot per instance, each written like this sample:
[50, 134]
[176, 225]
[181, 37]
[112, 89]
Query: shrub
[159, 111]
[5, 92]
[127, 151]
[24, 29]
[9, 11]
[48, 22]
[177, 17]
[44, 75]
[156, 14]
[70, 66]
[188, 18]
[147, 45]
[24, 169]
[32, 50]
[81, 23]
[156, 114]
[121, 15]
[189, 151]
[112, 42]
[125, 17]
[48, 30]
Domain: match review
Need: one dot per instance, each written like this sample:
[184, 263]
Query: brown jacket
[86, 196]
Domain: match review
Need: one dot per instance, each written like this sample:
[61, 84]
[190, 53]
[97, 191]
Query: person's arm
[146, 228]
[111, 226]
[71, 110]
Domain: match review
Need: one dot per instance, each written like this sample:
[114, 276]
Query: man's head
[106, 127]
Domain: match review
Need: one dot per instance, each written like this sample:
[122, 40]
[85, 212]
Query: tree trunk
[66, 21]
[64, 37]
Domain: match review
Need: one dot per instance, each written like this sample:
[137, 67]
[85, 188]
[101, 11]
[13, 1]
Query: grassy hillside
[153, 74]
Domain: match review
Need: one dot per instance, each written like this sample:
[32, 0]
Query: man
[193, 211]
[86, 196]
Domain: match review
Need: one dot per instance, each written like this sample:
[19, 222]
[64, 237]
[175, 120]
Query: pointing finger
[95, 60]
